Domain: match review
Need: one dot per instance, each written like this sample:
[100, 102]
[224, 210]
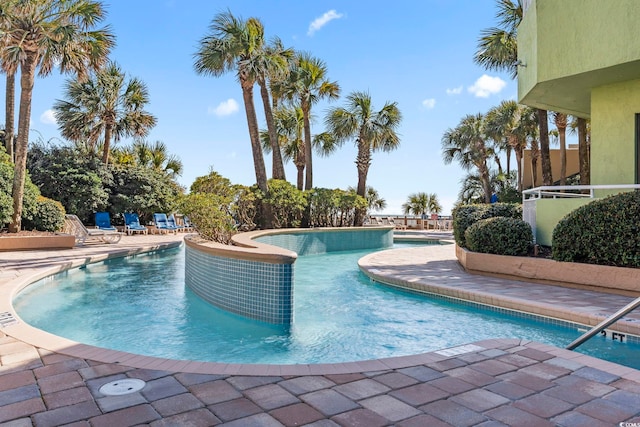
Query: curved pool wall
[254, 278]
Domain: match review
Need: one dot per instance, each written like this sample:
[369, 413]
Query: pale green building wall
[572, 46]
[613, 151]
[549, 212]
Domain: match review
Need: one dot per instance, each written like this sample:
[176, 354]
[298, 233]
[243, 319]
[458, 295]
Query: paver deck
[48, 381]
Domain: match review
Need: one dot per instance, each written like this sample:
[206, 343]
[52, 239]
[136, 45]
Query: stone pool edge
[23, 332]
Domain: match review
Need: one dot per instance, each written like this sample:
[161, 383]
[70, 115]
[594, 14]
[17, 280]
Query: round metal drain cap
[121, 387]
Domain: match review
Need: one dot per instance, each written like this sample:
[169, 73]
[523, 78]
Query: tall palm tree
[498, 50]
[106, 106]
[10, 93]
[308, 84]
[466, 144]
[560, 120]
[39, 35]
[371, 130]
[10, 101]
[232, 45]
[272, 63]
[581, 126]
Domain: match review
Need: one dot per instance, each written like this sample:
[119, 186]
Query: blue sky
[416, 53]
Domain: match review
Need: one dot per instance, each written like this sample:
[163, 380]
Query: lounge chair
[103, 221]
[171, 220]
[187, 223]
[397, 225]
[132, 224]
[162, 224]
[73, 225]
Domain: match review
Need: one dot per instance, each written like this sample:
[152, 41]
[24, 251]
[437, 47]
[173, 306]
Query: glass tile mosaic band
[262, 290]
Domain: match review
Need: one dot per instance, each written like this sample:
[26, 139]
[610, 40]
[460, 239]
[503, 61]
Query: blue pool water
[140, 305]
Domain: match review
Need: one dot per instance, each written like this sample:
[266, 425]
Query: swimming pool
[139, 304]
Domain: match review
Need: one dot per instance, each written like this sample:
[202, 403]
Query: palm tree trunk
[535, 153]
[562, 131]
[545, 158]
[108, 130]
[308, 182]
[254, 136]
[277, 165]
[519, 168]
[363, 161]
[10, 101]
[27, 77]
[486, 182]
[583, 152]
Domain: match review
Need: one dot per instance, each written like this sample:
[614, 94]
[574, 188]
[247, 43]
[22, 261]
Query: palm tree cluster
[291, 83]
[498, 50]
[37, 36]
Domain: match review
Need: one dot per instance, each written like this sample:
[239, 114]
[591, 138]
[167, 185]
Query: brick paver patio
[488, 383]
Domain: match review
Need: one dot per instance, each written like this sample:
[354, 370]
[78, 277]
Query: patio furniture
[103, 221]
[132, 224]
[162, 224]
[73, 225]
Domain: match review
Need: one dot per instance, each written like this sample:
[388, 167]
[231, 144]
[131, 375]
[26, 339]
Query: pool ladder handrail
[606, 322]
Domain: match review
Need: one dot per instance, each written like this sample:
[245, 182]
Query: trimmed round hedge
[464, 216]
[500, 236]
[604, 232]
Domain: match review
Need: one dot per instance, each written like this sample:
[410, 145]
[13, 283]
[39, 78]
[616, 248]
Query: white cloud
[486, 86]
[225, 108]
[429, 103]
[455, 91]
[323, 20]
[48, 118]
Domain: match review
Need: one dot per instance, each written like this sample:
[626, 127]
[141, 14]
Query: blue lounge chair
[103, 221]
[132, 224]
[162, 224]
[171, 220]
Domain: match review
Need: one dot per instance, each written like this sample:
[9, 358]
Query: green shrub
[286, 204]
[464, 216]
[605, 232]
[334, 207]
[209, 215]
[49, 216]
[499, 235]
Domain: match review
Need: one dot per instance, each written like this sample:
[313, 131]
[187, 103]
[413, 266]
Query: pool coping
[21, 331]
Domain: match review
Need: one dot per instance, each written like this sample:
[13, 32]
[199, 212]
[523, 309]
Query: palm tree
[498, 50]
[308, 84]
[513, 123]
[10, 93]
[10, 101]
[372, 131]
[106, 107]
[374, 201]
[153, 156]
[422, 204]
[466, 144]
[560, 120]
[289, 125]
[39, 35]
[272, 63]
[582, 127]
[232, 44]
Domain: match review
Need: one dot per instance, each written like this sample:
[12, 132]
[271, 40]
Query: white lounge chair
[73, 225]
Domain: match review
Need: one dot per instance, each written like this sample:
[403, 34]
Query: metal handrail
[606, 322]
[555, 190]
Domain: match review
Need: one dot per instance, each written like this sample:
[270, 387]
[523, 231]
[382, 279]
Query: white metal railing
[568, 191]
[529, 197]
